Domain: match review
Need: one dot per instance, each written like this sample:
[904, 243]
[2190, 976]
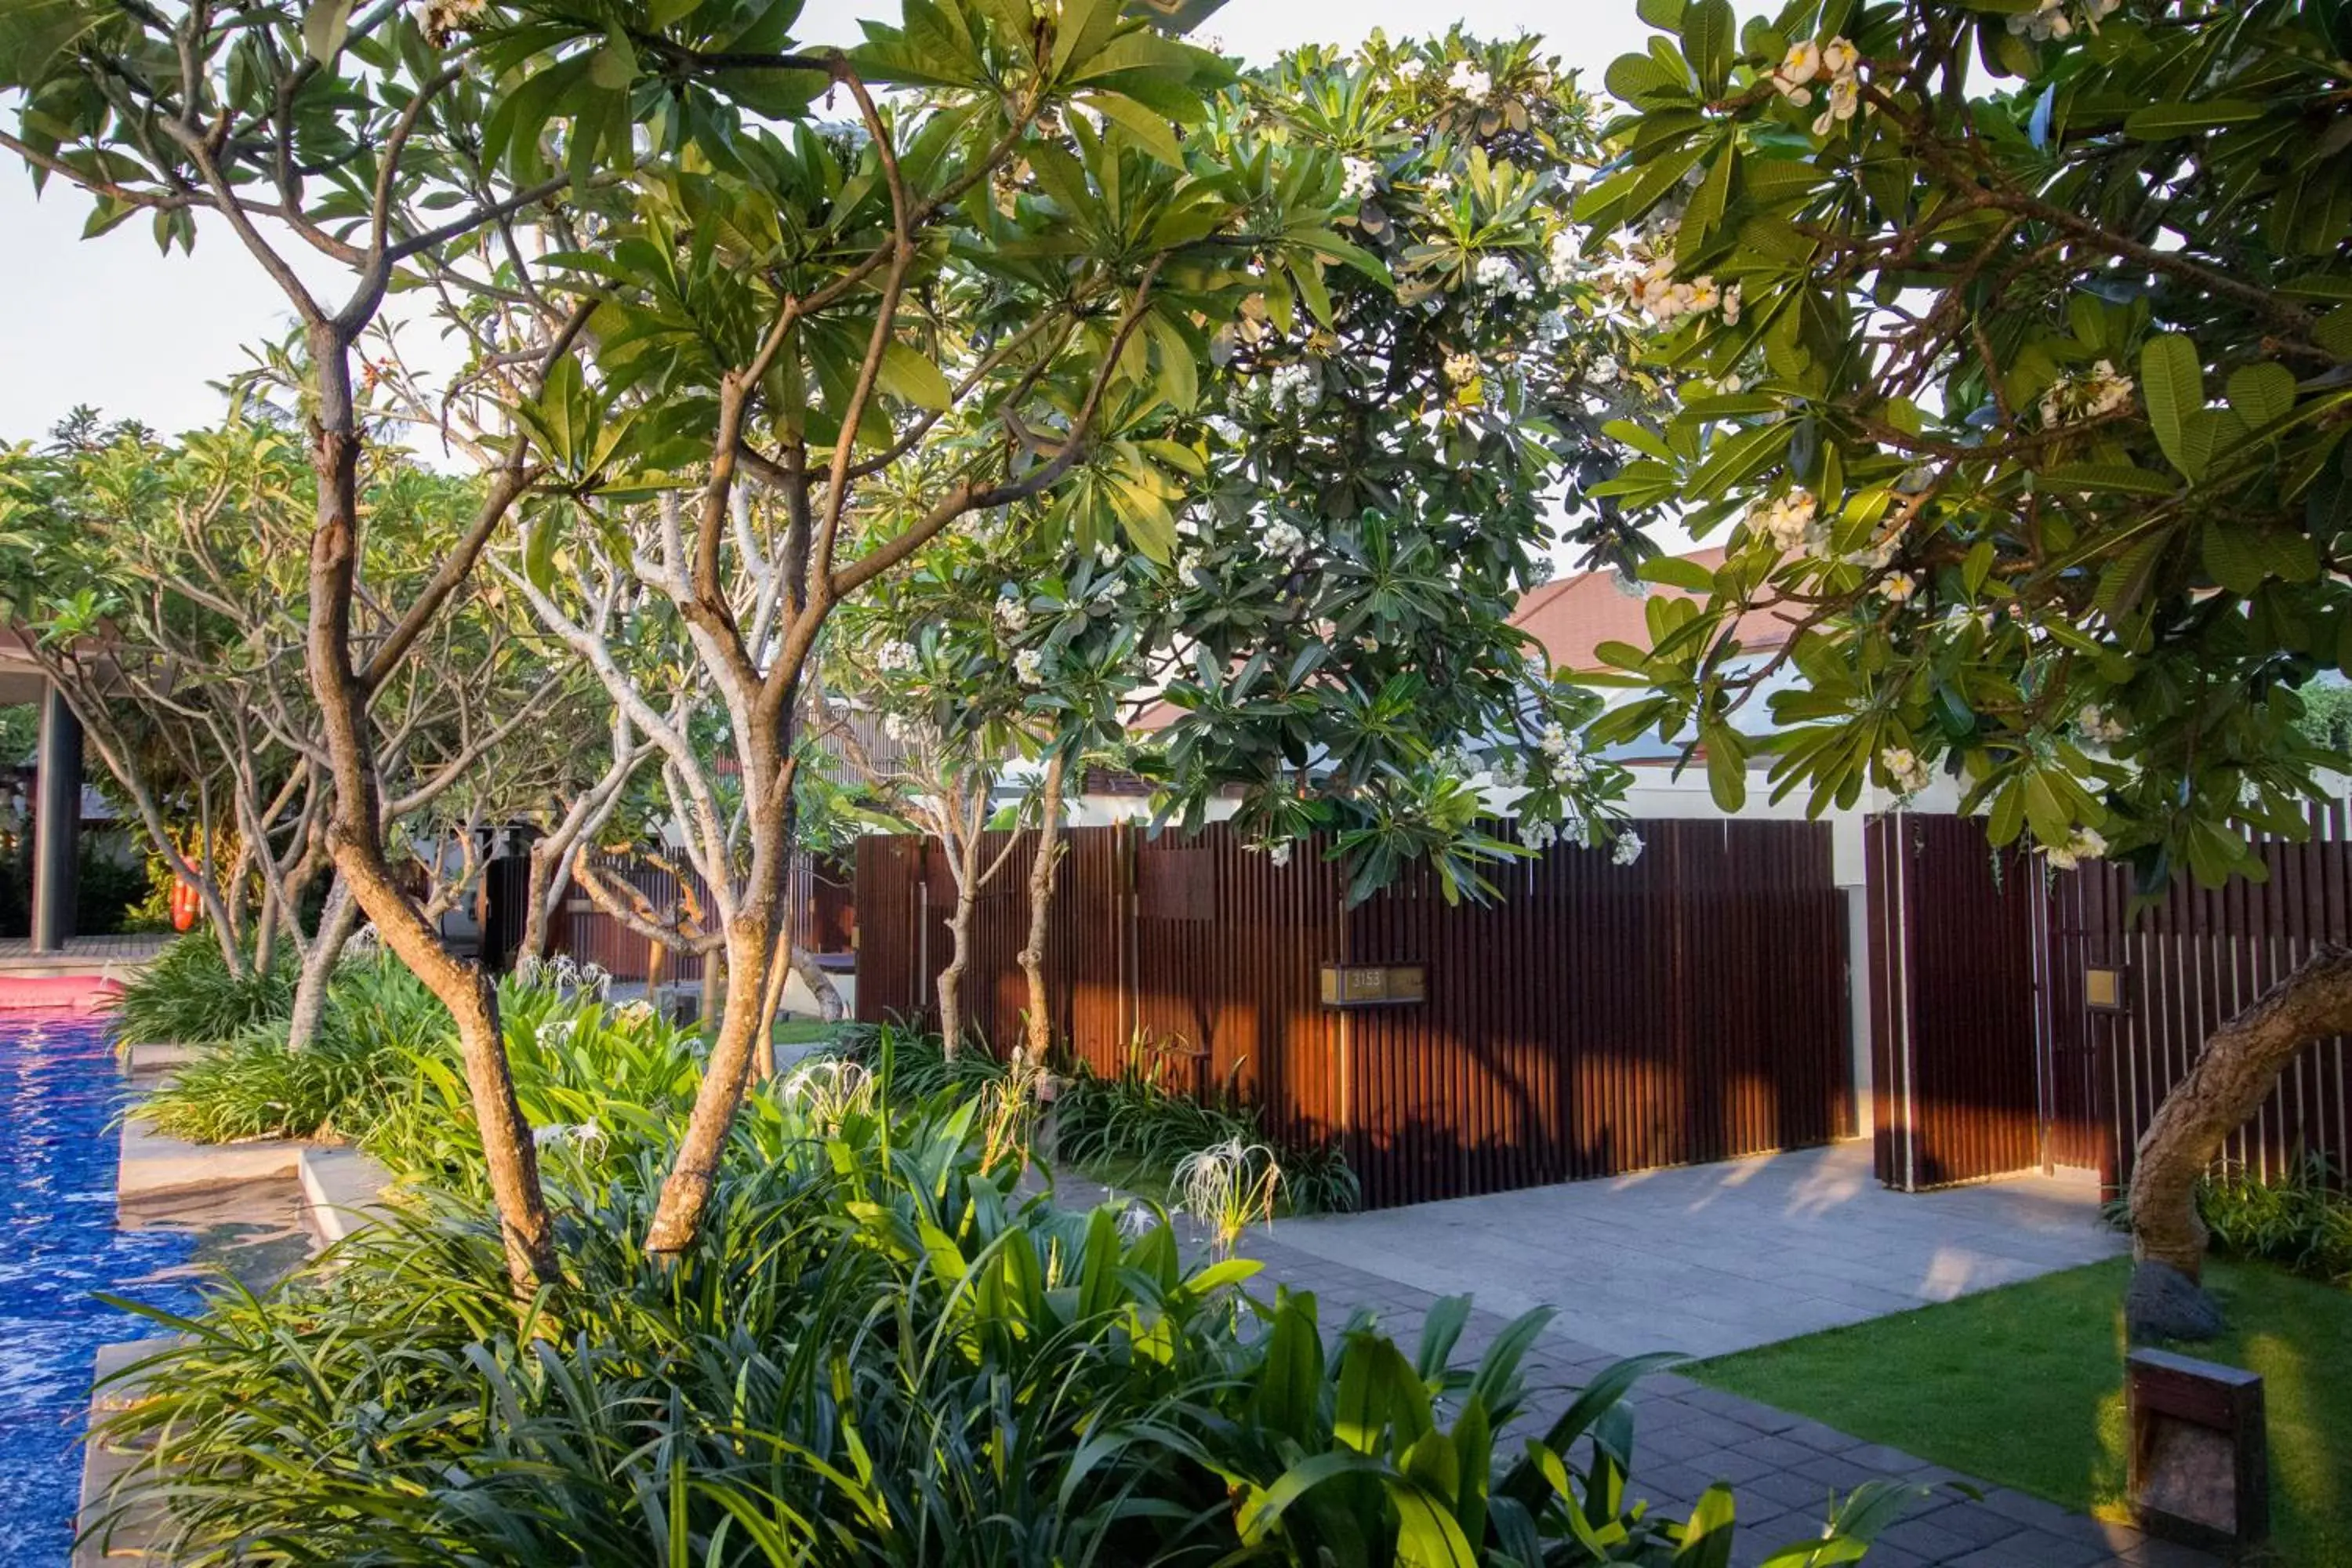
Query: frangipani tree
[166, 590]
[1388, 456]
[2045, 358]
[378, 144]
[826, 345]
[1005, 653]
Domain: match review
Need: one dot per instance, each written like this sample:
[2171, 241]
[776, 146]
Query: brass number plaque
[1374, 985]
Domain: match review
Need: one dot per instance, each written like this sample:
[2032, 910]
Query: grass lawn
[2024, 1385]
[803, 1031]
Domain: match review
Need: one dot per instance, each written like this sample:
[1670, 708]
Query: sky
[112, 323]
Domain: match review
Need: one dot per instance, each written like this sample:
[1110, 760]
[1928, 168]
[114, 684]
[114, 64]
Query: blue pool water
[59, 1093]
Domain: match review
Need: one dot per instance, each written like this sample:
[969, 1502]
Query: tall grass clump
[187, 996]
[878, 1351]
[1135, 1128]
[2301, 1221]
[255, 1087]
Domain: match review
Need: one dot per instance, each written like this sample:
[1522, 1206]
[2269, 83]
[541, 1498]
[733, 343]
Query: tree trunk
[829, 1005]
[950, 981]
[546, 883]
[714, 985]
[336, 921]
[1039, 1023]
[355, 837]
[2226, 1085]
[752, 936]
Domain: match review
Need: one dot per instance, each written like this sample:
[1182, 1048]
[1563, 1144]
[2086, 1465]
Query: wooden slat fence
[818, 897]
[2191, 962]
[1989, 1060]
[1596, 1019]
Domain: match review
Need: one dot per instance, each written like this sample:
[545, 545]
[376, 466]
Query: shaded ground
[1960, 1383]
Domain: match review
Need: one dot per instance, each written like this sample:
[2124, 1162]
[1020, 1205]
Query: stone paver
[1708, 1259]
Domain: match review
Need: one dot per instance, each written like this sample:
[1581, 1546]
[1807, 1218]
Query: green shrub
[187, 996]
[378, 1016]
[2302, 1221]
[913, 1066]
[876, 1352]
[618, 1077]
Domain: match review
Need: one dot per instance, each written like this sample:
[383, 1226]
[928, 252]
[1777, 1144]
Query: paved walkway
[82, 953]
[1712, 1259]
[1707, 1259]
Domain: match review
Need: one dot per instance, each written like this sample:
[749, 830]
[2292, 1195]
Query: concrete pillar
[56, 825]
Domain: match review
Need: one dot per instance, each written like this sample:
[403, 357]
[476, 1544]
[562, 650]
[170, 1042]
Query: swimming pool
[59, 1096]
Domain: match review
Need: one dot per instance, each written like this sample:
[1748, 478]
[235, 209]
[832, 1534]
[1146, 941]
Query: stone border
[339, 1186]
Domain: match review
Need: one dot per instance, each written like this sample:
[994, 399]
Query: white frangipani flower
[2099, 726]
[2087, 843]
[895, 656]
[1799, 66]
[1497, 274]
[1282, 537]
[1906, 767]
[2103, 390]
[1788, 521]
[1627, 848]
[1295, 385]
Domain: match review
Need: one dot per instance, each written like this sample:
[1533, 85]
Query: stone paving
[1720, 1257]
[1708, 1259]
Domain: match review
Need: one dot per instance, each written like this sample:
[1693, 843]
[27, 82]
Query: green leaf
[1678, 572]
[2318, 285]
[1977, 567]
[2173, 382]
[1637, 78]
[2262, 394]
[2123, 478]
[1708, 29]
[1262, 1509]
[1727, 764]
[1706, 1539]
[2161, 121]
[1151, 130]
[323, 28]
[907, 372]
[1428, 1535]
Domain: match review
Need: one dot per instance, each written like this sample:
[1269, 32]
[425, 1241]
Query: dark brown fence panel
[1956, 1012]
[2192, 961]
[592, 936]
[818, 902]
[1597, 1019]
[891, 982]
